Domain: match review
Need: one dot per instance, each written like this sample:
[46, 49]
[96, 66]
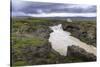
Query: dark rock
[80, 53]
[43, 33]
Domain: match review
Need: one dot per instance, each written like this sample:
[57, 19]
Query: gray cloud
[40, 8]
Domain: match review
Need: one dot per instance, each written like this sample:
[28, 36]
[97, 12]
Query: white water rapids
[60, 40]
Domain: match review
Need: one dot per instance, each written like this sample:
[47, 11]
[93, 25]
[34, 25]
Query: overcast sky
[42, 9]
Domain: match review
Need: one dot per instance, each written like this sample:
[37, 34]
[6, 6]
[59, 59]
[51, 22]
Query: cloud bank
[40, 9]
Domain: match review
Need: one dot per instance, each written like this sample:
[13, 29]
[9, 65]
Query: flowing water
[60, 40]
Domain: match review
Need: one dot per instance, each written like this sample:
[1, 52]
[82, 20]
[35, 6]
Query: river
[60, 40]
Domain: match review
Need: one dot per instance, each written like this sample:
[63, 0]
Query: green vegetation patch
[21, 42]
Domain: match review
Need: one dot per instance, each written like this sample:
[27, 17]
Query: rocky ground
[30, 46]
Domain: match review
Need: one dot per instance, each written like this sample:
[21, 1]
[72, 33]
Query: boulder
[81, 53]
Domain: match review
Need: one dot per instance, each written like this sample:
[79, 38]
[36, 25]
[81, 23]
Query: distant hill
[62, 18]
[72, 18]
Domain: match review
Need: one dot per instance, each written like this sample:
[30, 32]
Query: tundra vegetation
[30, 46]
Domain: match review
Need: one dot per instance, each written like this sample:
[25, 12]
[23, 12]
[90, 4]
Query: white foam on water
[60, 40]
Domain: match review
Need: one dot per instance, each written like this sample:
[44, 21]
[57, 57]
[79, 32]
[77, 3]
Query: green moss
[73, 59]
[51, 56]
[21, 42]
[20, 63]
[18, 24]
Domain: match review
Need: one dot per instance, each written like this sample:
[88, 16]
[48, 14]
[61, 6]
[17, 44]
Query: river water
[60, 40]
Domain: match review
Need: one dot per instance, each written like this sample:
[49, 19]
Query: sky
[44, 9]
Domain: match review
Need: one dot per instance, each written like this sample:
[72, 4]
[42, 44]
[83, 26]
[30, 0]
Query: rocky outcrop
[84, 32]
[79, 52]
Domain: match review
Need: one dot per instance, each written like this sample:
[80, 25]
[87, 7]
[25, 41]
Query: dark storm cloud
[39, 8]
